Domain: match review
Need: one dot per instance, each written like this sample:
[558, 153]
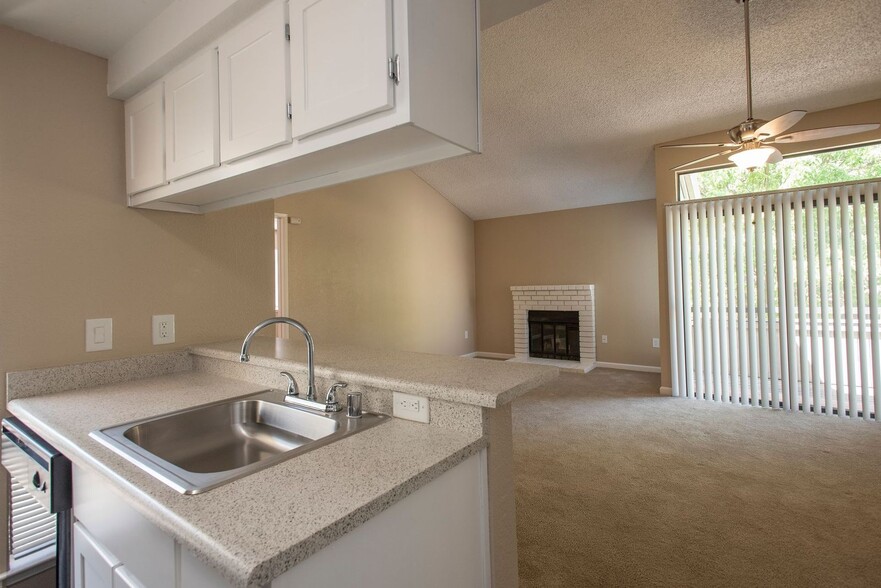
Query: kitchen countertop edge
[213, 553]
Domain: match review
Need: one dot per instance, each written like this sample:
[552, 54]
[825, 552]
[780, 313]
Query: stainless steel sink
[200, 448]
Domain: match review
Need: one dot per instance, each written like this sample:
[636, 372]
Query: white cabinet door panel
[122, 578]
[339, 61]
[92, 564]
[254, 85]
[145, 140]
[148, 553]
[192, 123]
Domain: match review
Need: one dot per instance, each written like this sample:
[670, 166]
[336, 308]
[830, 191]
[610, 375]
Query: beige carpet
[617, 486]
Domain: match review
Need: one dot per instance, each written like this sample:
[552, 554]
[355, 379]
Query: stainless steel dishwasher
[46, 475]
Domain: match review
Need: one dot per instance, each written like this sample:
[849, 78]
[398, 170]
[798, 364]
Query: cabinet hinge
[394, 69]
[290, 110]
[287, 32]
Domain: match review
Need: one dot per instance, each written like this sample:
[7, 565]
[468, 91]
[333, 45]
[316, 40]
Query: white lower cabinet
[93, 564]
[436, 537]
[122, 578]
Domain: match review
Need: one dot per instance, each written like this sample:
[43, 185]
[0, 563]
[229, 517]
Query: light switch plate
[163, 329]
[99, 334]
[656, 343]
[412, 408]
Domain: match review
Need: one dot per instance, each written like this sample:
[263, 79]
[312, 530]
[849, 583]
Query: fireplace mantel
[578, 298]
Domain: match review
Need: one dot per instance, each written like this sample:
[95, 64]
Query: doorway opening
[280, 223]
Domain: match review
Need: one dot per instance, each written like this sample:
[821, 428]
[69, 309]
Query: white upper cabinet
[144, 141]
[254, 84]
[192, 123]
[365, 86]
[340, 51]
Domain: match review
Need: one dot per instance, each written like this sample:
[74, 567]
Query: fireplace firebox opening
[553, 334]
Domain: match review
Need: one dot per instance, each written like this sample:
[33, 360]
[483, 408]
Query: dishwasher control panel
[37, 466]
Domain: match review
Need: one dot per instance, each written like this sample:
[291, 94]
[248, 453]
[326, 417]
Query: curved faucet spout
[310, 347]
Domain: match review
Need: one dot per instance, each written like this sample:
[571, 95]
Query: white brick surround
[578, 298]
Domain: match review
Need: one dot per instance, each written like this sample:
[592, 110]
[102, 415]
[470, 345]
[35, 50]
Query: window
[814, 169]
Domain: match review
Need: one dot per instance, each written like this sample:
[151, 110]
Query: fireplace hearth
[553, 334]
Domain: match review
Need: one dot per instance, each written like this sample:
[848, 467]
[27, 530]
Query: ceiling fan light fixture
[757, 157]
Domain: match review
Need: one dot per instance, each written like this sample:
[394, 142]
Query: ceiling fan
[752, 141]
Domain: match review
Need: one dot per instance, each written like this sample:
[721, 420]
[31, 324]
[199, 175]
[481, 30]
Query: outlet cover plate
[163, 329]
[412, 408]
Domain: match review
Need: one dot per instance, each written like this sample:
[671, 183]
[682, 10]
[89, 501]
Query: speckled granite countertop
[254, 529]
[456, 379]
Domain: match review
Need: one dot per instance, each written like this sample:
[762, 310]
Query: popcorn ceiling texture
[576, 92]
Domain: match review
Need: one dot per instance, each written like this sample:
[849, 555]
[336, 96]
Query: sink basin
[200, 448]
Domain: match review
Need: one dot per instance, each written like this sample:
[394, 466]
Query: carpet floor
[618, 486]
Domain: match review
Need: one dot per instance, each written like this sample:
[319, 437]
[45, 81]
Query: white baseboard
[630, 367]
[488, 355]
[665, 391]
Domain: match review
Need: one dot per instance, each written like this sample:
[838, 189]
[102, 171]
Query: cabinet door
[192, 124]
[340, 52]
[254, 85]
[122, 578]
[144, 140]
[92, 564]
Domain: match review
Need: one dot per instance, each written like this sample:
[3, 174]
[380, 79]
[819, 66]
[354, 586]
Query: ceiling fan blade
[778, 125]
[702, 145]
[700, 159]
[825, 133]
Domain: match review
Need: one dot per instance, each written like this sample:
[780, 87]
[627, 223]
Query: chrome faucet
[330, 403]
[310, 351]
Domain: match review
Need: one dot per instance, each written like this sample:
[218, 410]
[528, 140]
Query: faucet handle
[293, 390]
[330, 402]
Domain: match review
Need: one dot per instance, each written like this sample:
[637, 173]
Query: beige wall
[382, 262]
[665, 180]
[71, 250]
[613, 247]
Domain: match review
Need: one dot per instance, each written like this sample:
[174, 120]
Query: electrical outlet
[656, 343]
[605, 338]
[413, 408]
[163, 329]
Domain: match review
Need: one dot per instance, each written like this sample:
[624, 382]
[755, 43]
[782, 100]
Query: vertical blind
[774, 299]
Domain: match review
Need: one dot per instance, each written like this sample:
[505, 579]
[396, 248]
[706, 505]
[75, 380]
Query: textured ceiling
[577, 92]
[99, 27]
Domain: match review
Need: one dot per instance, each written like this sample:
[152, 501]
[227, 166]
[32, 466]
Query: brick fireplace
[558, 300]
